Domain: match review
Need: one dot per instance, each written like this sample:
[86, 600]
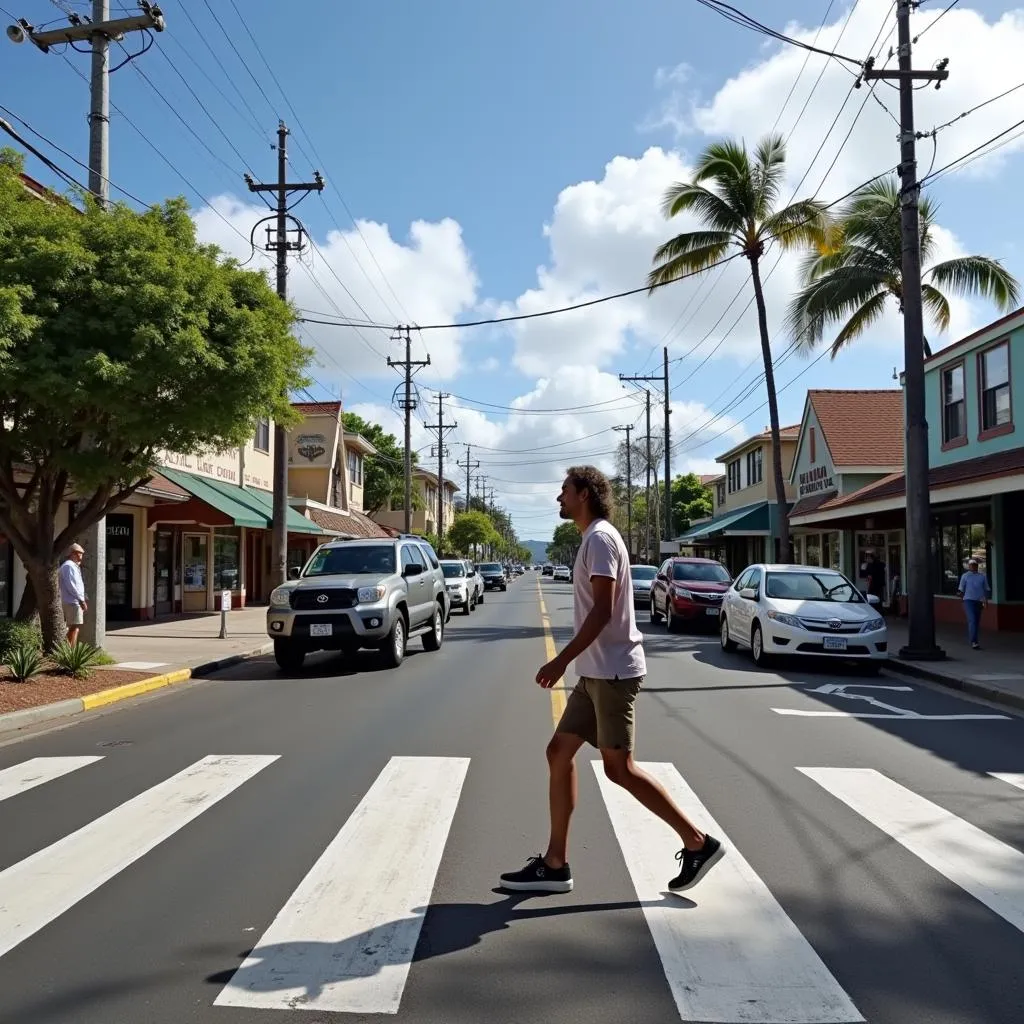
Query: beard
[563, 512]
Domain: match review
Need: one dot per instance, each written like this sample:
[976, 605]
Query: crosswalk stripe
[345, 939]
[34, 772]
[736, 955]
[43, 886]
[990, 870]
[1013, 778]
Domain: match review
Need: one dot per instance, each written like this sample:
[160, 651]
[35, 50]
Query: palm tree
[740, 211]
[849, 280]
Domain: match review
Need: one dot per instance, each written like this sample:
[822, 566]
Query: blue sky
[509, 158]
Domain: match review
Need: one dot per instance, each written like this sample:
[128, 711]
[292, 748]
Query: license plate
[711, 611]
[320, 629]
[834, 643]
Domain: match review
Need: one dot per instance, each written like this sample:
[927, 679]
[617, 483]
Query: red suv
[689, 589]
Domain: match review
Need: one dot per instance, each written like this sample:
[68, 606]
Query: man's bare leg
[562, 789]
[620, 767]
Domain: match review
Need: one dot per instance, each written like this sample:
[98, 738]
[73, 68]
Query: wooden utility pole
[921, 625]
[468, 465]
[279, 243]
[409, 366]
[628, 429]
[442, 429]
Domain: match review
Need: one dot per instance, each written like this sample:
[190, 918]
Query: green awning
[751, 519]
[245, 506]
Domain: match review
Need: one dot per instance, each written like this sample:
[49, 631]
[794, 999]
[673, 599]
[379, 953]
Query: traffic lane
[172, 928]
[905, 942]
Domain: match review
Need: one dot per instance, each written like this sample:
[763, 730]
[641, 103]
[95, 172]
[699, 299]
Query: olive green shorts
[601, 712]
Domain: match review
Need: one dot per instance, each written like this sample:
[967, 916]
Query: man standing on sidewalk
[72, 592]
[610, 663]
[974, 590]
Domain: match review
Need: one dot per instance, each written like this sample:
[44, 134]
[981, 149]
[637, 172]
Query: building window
[755, 466]
[226, 565]
[954, 405]
[194, 560]
[813, 549]
[733, 471]
[720, 488]
[262, 440]
[994, 377]
[957, 537]
[813, 443]
[355, 468]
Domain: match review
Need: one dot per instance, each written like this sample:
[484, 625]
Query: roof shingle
[861, 428]
[347, 524]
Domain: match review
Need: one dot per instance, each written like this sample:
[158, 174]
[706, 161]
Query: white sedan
[802, 610]
[563, 572]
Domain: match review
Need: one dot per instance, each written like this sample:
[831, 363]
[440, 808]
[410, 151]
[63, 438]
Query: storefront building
[744, 525]
[976, 481]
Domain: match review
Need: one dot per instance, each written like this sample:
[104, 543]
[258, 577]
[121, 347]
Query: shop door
[894, 573]
[163, 572]
[120, 530]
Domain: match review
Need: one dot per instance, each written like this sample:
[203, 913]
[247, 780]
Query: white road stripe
[1013, 778]
[345, 939]
[38, 770]
[913, 717]
[736, 956]
[987, 868]
[40, 888]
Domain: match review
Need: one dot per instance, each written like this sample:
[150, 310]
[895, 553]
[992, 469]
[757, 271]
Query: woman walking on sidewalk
[974, 591]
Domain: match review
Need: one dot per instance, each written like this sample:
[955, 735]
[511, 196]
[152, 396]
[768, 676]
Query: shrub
[24, 663]
[16, 635]
[76, 660]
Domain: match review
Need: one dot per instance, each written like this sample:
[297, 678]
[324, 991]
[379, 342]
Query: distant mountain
[538, 549]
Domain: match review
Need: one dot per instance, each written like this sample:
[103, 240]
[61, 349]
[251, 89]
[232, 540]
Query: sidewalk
[996, 672]
[188, 641]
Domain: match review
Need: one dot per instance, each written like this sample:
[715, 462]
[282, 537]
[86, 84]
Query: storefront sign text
[817, 479]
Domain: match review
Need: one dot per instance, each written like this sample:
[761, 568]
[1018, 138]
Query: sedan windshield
[490, 567]
[371, 559]
[812, 586]
[643, 572]
[700, 572]
[453, 571]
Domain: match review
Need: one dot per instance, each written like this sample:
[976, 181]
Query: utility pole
[98, 31]
[281, 245]
[441, 429]
[409, 366]
[628, 428]
[921, 626]
[468, 465]
[647, 500]
[668, 452]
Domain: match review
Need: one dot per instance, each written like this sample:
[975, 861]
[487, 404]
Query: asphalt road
[257, 848]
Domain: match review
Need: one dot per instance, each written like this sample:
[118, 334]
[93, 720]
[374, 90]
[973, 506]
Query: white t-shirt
[618, 651]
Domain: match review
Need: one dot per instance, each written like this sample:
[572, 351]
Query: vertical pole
[629, 492]
[408, 431]
[668, 453]
[647, 502]
[469, 507]
[279, 533]
[94, 566]
[440, 470]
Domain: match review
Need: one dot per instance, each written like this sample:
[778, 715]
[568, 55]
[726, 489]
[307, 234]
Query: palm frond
[709, 207]
[688, 254]
[859, 322]
[937, 305]
[803, 223]
[769, 172]
[833, 298]
[977, 275]
[727, 163]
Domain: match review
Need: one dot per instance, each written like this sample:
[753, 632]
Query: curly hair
[599, 490]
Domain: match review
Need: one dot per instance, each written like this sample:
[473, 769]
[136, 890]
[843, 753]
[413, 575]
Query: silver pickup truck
[352, 594]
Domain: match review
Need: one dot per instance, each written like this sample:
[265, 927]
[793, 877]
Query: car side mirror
[412, 570]
[748, 594]
[873, 599]
[294, 572]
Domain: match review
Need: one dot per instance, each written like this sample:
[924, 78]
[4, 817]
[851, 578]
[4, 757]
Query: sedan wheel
[757, 647]
[727, 644]
[655, 614]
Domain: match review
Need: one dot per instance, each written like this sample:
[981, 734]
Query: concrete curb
[992, 693]
[12, 721]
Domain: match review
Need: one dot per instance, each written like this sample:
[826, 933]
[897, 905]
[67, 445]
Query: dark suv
[494, 576]
[689, 590]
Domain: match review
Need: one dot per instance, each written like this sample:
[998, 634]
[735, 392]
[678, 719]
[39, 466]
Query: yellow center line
[559, 689]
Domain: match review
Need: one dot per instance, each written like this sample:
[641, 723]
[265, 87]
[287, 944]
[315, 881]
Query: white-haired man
[72, 591]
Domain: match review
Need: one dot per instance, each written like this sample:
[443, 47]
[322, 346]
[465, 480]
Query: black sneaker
[538, 877]
[696, 863]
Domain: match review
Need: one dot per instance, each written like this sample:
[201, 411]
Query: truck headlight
[281, 597]
[367, 595]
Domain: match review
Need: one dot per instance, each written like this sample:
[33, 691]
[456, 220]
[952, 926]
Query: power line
[932, 24]
[967, 113]
[970, 153]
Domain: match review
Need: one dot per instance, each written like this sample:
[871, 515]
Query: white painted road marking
[891, 711]
[41, 887]
[345, 939]
[736, 956]
[38, 770]
[987, 868]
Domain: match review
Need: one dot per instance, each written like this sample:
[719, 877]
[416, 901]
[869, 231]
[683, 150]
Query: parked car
[360, 593]
[802, 610]
[643, 577]
[460, 585]
[563, 572]
[547, 570]
[688, 590]
[494, 576]
[476, 579]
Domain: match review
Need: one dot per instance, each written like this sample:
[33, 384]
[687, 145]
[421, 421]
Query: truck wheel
[393, 649]
[288, 655]
[434, 637]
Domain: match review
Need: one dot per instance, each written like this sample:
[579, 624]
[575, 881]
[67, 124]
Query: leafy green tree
[384, 474]
[690, 501]
[565, 543]
[471, 531]
[120, 336]
[741, 214]
[850, 280]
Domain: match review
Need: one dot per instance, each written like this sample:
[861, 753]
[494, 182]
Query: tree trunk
[51, 615]
[27, 608]
[773, 415]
